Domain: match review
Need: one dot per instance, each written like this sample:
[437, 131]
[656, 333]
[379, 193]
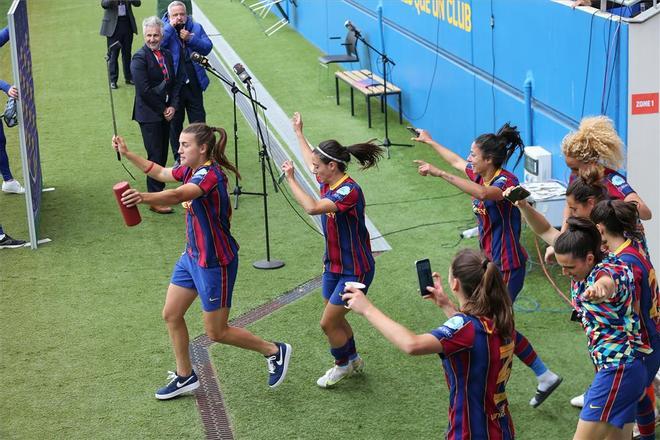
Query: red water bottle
[132, 214]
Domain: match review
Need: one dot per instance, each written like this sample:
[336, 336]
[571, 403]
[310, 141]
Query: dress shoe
[130, 82]
[113, 85]
[160, 209]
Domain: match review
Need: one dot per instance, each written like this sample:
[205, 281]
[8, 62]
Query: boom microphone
[200, 59]
[243, 75]
[348, 25]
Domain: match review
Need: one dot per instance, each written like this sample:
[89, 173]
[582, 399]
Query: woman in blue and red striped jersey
[347, 244]
[476, 344]
[499, 222]
[618, 224]
[208, 266]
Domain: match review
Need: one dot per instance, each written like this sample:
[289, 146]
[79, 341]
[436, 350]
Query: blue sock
[538, 367]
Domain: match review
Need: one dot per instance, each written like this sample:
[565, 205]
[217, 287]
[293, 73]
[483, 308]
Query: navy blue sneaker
[177, 385]
[278, 364]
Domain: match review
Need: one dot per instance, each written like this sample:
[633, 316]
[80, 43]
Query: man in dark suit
[119, 25]
[156, 98]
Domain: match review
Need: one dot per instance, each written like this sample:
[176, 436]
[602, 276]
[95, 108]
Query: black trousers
[123, 34]
[191, 100]
[155, 135]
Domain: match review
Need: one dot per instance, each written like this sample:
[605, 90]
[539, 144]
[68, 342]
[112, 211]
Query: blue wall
[537, 39]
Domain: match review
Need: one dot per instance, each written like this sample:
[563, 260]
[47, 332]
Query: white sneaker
[357, 365]
[334, 375]
[12, 187]
[578, 401]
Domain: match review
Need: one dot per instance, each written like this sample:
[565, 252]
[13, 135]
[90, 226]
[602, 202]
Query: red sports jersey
[477, 363]
[209, 240]
[347, 243]
[499, 222]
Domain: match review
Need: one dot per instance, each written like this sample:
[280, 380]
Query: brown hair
[588, 185]
[618, 217]
[367, 153]
[580, 239]
[205, 134]
[486, 293]
[595, 142]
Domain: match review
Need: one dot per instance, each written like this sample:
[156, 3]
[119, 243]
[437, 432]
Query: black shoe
[113, 85]
[11, 243]
[130, 82]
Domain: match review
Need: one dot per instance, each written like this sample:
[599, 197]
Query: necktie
[161, 63]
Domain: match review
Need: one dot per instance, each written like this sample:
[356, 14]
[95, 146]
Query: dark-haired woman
[618, 223]
[347, 244]
[602, 290]
[499, 222]
[475, 344]
[209, 265]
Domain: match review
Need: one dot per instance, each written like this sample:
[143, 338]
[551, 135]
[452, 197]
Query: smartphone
[518, 193]
[424, 275]
[413, 130]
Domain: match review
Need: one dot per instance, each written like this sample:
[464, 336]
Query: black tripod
[386, 141]
[263, 156]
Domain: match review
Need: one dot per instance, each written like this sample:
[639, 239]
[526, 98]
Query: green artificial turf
[81, 335]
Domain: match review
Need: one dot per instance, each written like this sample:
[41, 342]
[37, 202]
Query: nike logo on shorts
[214, 299]
[594, 407]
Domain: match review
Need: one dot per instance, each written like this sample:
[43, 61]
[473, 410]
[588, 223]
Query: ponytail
[486, 293]
[367, 153]
[587, 185]
[618, 217]
[581, 238]
[204, 135]
[501, 146]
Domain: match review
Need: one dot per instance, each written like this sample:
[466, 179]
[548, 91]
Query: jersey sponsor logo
[344, 190]
[618, 180]
[201, 173]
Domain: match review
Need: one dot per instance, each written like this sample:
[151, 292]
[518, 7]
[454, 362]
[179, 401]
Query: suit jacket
[111, 15]
[152, 93]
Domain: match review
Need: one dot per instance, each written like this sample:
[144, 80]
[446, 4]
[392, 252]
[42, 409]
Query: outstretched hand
[131, 197]
[426, 169]
[119, 145]
[297, 122]
[424, 136]
[356, 300]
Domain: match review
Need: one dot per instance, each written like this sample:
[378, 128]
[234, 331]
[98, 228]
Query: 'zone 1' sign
[644, 103]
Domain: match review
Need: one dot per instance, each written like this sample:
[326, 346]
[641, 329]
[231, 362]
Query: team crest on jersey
[501, 179]
[617, 180]
[343, 191]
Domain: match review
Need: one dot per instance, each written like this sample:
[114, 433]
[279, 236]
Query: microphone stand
[263, 156]
[384, 58]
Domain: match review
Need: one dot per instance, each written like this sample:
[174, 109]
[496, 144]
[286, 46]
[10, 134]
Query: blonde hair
[595, 142]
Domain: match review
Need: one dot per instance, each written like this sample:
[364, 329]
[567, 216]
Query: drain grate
[210, 402]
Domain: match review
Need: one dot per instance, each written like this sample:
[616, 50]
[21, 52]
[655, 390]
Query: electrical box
[538, 164]
[549, 198]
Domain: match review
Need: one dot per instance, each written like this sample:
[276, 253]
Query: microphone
[242, 73]
[200, 59]
[348, 25]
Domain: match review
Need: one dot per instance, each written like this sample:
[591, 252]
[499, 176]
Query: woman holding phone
[347, 244]
[475, 344]
[208, 267]
[602, 290]
[499, 222]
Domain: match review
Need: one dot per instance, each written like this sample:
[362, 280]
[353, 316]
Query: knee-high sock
[527, 355]
[341, 354]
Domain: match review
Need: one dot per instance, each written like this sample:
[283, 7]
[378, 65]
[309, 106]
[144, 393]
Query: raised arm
[148, 167]
[398, 335]
[477, 191]
[305, 147]
[536, 220]
[311, 205]
[449, 156]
